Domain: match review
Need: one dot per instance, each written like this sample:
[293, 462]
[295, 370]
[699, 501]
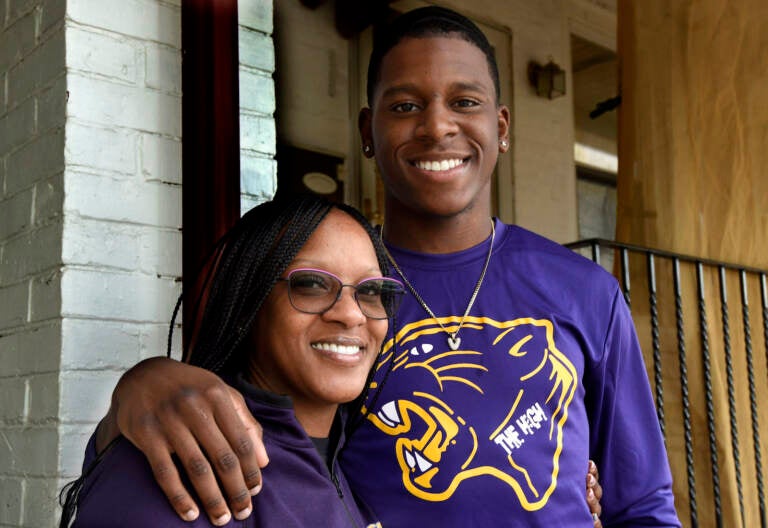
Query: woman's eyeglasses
[315, 291]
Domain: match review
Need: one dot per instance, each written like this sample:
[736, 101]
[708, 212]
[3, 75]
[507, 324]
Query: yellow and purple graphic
[476, 414]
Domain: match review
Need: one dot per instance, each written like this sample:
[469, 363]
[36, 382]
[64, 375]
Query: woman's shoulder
[120, 490]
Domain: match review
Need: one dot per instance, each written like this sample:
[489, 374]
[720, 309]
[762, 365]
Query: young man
[516, 361]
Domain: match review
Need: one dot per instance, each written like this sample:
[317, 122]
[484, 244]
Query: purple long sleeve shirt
[498, 432]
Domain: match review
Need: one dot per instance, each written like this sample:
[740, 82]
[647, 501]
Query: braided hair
[244, 268]
[424, 22]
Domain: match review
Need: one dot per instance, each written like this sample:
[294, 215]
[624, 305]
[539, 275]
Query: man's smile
[438, 165]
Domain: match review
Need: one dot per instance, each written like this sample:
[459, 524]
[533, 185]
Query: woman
[295, 314]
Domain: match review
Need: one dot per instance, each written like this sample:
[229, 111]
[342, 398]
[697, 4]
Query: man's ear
[503, 124]
[366, 134]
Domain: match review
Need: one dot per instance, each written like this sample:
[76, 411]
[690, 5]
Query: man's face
[435, 127]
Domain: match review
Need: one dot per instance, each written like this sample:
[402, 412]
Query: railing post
[704, 331]
[625, 275]
[752, 395]
[764, 295]
[731, 389]
[657, 372]
[684, 393]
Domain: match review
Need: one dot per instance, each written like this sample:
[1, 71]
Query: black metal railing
[666, 288]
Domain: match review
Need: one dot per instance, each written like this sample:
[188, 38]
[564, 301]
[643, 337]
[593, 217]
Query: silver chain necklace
[454, 341]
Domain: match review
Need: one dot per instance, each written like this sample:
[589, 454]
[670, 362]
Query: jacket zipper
[337, 484]
[335, 480]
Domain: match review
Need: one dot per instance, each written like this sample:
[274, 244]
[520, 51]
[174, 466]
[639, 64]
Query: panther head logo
[458, 427]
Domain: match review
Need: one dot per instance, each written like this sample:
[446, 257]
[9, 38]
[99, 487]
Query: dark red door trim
[211, 134]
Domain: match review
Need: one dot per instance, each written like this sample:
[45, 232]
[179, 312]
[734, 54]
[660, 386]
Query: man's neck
[430, 234]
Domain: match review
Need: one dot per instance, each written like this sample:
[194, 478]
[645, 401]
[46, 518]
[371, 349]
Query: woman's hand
[594, 494]
[168, 408]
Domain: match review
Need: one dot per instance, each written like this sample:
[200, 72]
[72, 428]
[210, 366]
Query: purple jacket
[299, 490]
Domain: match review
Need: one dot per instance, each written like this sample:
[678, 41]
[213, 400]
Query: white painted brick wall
[102, 54]
[134, 107]
[122, 200]
[18, 125]
[39, 509]
[160, 158]
[105, 149]
[144, 20]
[72, 438]
[257, 133]
[258, 175]
[33, 72]
[90, 215]
[85, 343]
[44, 297]
[90, 248]
[32, 115]
[127, 247]
[31, 450]
[86, 394]
[13, 394]
[40, 158]
[52, 14]
[258, 137]
[121, 240]
[104, 294]
[256, 48]
[16, 214]
[32, 252]
[12, 492]
[18, 38]
[49, 195]
[255, 14]
[13, 309]
[18, 346]
[163, 68]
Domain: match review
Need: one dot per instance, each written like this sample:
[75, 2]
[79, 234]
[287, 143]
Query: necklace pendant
[454, 341]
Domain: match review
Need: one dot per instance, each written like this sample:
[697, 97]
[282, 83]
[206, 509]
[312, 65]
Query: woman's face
[435, 126]
[320, 359]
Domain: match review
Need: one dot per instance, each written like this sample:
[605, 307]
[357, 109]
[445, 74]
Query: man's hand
[165, 407]
[594, 494]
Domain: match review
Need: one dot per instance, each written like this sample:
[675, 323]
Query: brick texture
[258, 137]
[90, 217]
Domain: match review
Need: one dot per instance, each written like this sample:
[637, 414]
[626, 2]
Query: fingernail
[591, 465]
[595, 517]
[255, 490]
[590, 494]
[243, 514]
[590, 480]
[190, 515]
[222, 520]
